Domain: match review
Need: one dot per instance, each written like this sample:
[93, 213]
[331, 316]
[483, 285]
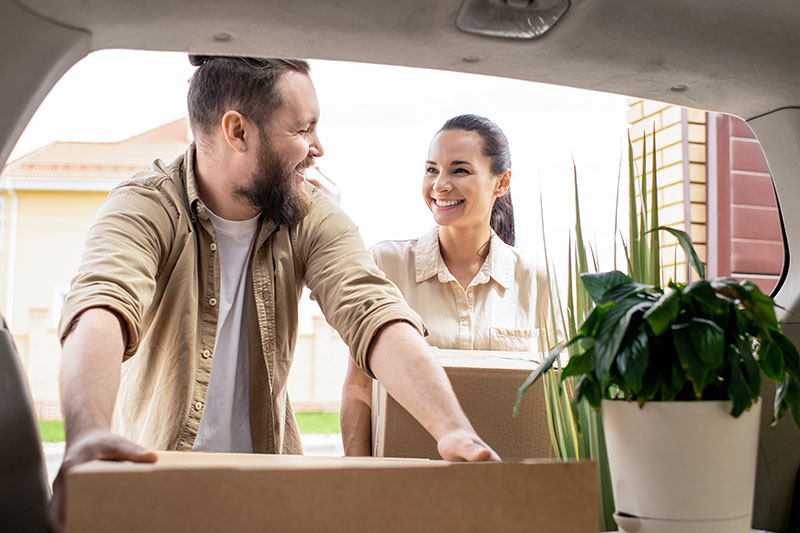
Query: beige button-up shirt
[497, 311]
[151, 256]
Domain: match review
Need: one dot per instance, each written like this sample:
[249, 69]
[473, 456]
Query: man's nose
[315, 148]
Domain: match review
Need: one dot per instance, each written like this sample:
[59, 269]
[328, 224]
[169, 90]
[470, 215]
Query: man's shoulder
[162, 182]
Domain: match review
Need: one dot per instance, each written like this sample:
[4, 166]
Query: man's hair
[243, 84]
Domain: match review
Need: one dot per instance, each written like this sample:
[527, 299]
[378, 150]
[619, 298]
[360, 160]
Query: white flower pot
[681, 467]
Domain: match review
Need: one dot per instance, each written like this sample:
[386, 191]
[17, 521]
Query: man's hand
[403, 362]
[465, 446]
[96, 445]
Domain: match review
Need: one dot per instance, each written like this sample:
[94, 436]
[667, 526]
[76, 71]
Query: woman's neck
[464, 250]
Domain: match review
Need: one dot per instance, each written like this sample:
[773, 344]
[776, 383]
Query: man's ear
[503, 183]
[234, 127]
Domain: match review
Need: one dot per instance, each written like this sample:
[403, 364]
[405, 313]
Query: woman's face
[459, 187]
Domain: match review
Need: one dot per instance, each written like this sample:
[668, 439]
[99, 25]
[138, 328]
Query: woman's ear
[503, 183]
[234, 129]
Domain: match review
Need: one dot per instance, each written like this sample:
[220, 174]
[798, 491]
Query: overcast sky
[376, 125]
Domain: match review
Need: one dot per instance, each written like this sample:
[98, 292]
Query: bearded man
[184, 309]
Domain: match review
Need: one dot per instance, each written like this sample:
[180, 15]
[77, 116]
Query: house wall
[681, 174]
[50, 233]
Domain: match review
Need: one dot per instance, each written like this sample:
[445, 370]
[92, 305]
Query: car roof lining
[737, 57]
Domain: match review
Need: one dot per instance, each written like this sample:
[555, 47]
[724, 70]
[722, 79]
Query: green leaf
[708, 340]
[578, 364]
[621, 292]
[655, 248]
[788, 397]
[598, 284]
[586, 388]
[661, 316]
[675, 381]
[739, 392]
[771, 360]
[793, 400]
[791, 359]
[590, 325]
[696, 372]
[752, 371]
[541, 369]
[633, 357]
[610, 333]
[761, 305]
[686, 243]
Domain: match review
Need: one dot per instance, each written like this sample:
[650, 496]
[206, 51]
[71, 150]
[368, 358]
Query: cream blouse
[496, 312]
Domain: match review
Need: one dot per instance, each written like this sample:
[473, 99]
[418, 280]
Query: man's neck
[216, 189]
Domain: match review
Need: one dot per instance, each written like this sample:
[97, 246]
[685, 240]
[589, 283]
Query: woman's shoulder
[525, 265]
[393, 248]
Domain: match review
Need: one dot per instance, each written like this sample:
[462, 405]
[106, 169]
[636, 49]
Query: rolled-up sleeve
[123, 253]
[355, 296]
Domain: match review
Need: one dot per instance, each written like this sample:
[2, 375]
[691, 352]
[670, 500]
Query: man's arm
[355, 415]
[404, 364]
[89, 380]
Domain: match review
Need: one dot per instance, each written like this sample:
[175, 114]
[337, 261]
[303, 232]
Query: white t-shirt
[225, 425]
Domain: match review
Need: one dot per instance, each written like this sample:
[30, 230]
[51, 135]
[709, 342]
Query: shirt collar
[191, 183]
[499, 263]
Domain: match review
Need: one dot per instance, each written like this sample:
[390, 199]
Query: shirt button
[213, 247]
[198, 406]
[206, 354]
[212, 302]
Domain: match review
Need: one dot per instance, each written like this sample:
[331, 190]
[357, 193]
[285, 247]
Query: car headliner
[734, 56]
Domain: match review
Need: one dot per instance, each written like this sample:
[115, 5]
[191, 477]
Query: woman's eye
[431, 170]
[461, 171]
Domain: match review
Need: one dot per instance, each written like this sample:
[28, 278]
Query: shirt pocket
[512, 340]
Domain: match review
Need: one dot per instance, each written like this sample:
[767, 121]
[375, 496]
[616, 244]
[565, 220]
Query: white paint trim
[12, 256]
[9, 183]
[712, 205]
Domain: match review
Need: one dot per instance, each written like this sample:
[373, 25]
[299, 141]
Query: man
[192, 274]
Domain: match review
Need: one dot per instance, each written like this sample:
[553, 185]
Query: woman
[473, 290]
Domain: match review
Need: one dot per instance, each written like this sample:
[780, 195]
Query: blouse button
[213, 247]
[212, 302]
[206, 354]
[198, 406]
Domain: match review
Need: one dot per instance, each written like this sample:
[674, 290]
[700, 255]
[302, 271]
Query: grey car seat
[24, 488]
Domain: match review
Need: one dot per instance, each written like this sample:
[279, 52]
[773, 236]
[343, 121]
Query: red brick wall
[749, 238]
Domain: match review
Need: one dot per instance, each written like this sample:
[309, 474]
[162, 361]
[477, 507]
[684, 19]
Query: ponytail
[502, 219]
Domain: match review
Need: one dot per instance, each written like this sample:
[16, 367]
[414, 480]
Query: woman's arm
[356, 412]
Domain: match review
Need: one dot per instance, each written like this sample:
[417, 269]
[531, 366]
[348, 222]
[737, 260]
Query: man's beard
[274, 189]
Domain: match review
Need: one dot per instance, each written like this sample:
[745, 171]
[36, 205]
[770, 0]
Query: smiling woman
[472, 288]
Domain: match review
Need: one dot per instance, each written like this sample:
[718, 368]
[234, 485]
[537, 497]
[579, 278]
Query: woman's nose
[441, 184]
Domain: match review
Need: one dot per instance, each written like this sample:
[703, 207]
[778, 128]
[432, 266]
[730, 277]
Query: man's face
[288, 146]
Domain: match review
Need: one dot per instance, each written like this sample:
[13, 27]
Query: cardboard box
[243, 493]
[486, 385]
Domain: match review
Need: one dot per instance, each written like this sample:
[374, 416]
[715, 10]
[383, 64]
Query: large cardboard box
[486, 385]
[202, 492]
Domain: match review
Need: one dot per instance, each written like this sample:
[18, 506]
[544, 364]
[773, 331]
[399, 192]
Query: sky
[376, 125]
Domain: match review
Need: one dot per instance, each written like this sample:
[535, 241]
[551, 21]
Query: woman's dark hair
[495, 147]
[243, 84]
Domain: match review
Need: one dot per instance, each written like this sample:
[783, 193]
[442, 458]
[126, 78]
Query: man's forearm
[90, 372]
[356, 412]
[404, 364]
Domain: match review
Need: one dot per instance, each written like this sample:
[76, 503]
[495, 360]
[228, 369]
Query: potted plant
[677, 371]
